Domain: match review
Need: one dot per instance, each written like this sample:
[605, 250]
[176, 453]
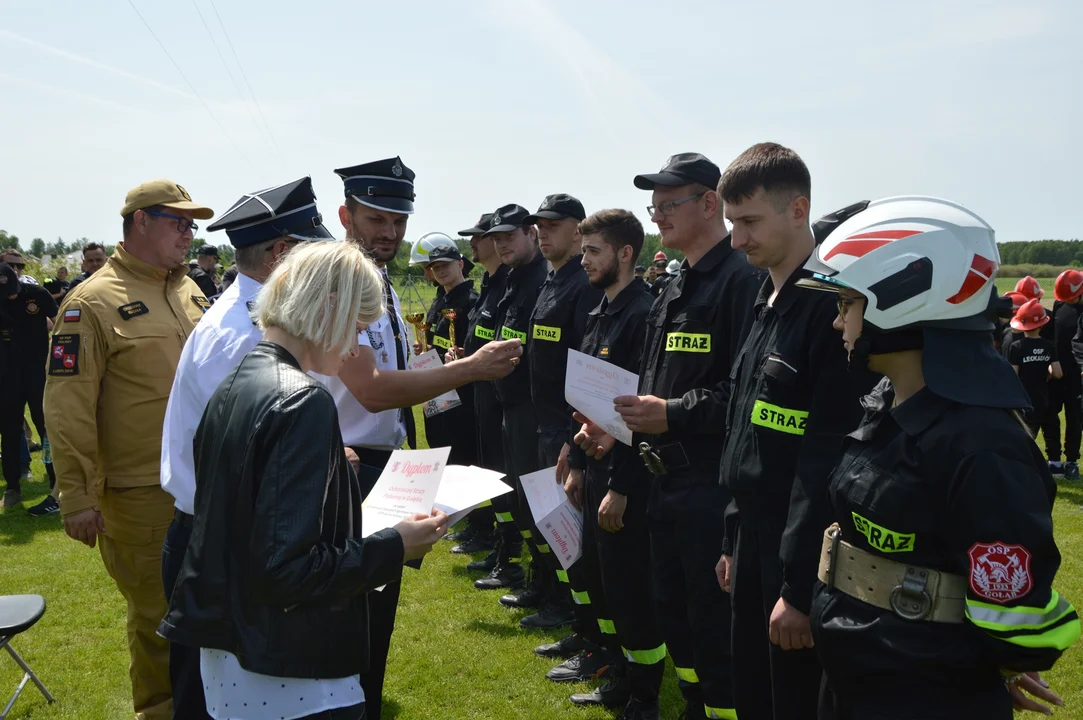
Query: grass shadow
[389, 708]
[18, 528]
[1070, 491]
[500, 630]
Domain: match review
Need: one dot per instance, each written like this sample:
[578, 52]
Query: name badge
[133, 309]
[506, 333]
[484, 333]
[544, 332]
[688, 342]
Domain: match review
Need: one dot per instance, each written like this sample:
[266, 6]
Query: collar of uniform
[573, 265]
[787, 295]
[135, 266]
[625, 296]
[917, 413]
[458, 291]
[525, 269]
[247, 287]
[712, 259]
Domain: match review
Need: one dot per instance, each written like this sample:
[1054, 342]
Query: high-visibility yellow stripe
[549, 334]
[562, 576]
[688, 342]
[543, 548]
[441, 342]
[999, 617]
[526, 534]
[504, 517]
[646, 657]
[487, 503]
[581, 598]
[687, 674]
[607, 627]
[506, 333]
[484, 333]
[778, 418]
[882, 538]
[720, 713]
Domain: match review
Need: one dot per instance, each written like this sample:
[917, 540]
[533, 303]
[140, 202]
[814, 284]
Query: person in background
[14, 259]
[93, 260]
[1009, 335]
[275, 583]
[263, 227]
[1035, 360]
[26, 312]
[1029, 288]
[1066, 393]
[114, 351]
[640, 270]
[205, 273]
[59, 285]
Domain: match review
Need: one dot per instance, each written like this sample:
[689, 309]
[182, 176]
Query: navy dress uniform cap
[287, 210]
[383, 184]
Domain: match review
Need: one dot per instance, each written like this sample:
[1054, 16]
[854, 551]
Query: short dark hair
[617, 227]
[780, 171]
[128, 220]
[94, 246]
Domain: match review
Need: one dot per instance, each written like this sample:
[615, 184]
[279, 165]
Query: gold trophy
[420, 328]
[450, 315]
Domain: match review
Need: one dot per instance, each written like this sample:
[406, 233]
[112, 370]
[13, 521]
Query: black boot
[640, 710]
[463, 535]
[555, 611]
[566, 647]
[481, 541]
[532, 595]
[505, 574]
[613, 693]
[487, 564]
[584, 666]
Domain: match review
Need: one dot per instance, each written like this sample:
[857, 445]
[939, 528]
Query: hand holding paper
[560, 524]
[643, 414]
[591, 386]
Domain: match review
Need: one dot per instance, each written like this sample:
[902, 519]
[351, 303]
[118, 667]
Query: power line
[233, 80]
[245, 76]
[192, 87]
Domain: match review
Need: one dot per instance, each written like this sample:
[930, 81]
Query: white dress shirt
[360, 428]
[224, 335]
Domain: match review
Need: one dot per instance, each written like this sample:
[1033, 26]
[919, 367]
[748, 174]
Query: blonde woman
[273, 586]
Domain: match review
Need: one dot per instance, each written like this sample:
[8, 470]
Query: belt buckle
[910, 600]
[835, 533]
[651, 459]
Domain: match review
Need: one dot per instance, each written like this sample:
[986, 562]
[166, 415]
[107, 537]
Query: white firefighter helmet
[674, 267]
[419, 251]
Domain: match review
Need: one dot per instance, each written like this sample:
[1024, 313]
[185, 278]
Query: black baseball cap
[682, 169]
[559, 207]
[446, 253]
[507, 218]
[481, 226]
[208, 250]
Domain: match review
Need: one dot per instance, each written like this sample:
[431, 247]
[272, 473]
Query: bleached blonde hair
[320, 291]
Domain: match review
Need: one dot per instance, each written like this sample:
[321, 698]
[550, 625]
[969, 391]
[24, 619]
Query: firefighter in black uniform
[24, 335]
[516, 242]
[614, 491]
[1066, 392]
[487, 412]
[937, 598]
[792, 402]
[203, 274]
[693, 333]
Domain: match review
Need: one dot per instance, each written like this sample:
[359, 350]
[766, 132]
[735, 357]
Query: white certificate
[560, 524]
[543, 494]
[407, 486]
[426, 361]
[591, 385]
[464, 488]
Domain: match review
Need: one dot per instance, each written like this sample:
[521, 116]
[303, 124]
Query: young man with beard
[614, 491]
[374, 392]
[792, 402]
[693, 333]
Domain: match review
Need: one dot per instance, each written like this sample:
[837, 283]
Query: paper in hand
[407, 487]
[591, 385]
[560, 524]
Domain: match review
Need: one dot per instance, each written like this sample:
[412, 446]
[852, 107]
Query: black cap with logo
[481, 226]
[559, 207]
[682, 169]
[508, 218]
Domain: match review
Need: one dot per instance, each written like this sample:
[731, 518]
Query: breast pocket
[550, 324]
[146, 349]
[782, 402]
[690, 331]
[891, 510]
[516, 323]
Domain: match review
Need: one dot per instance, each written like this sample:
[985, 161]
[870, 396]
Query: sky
[505, 101]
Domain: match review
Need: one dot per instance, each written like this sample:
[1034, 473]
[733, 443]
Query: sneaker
[1071, 470]
[28, 474]
[12, 498]
[584, 666]
[48, 506]
[1056, 468]
[566, 647]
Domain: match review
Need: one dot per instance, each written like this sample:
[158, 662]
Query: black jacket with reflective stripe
[614, 333]
[694, 330]
[513, 313]
[793, 401]
[483, 316]
[461, 299]
[558, 322]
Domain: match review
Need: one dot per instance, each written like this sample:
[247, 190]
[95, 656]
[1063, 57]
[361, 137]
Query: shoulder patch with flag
[72, 316]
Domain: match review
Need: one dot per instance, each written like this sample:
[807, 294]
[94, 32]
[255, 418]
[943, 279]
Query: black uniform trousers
[791, 678]
[189, 702]
[621, 586]
[520, 433]
[685, 516]
[490, 446]
[1066, 393]
[383, 604]
[577, 578]
[21, 386]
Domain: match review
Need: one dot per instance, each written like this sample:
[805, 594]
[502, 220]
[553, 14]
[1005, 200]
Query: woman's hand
[1032, 683]
[420, 533]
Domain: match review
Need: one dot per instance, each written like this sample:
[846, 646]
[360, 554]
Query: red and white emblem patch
[58, 351]
[1000, 572]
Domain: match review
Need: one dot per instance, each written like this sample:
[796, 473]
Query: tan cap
[165, 193]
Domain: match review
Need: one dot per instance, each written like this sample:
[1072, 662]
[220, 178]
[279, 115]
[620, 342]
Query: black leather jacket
[277, 571]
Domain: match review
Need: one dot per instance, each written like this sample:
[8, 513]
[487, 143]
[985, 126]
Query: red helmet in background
[1030, 287]
[1018, 299]
[1069, 286]
[660, 256]
[1030, 317]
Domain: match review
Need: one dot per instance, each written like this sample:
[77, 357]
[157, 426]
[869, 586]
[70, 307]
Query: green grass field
[456, 653]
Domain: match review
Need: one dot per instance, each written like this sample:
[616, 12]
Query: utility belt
[908, 591]
[664, 459]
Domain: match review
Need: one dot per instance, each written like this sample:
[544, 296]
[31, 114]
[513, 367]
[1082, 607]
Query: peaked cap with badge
[682, 169]
[284, 211]
[383, 184]
[508, 218]
[478, 229]
[559, 207]
[163, 193]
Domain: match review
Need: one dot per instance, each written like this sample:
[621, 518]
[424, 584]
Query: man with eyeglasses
[694, 331]
[114, 352]
[263, 227]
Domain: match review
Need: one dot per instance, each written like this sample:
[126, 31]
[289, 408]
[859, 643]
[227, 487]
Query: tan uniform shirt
[114, 352]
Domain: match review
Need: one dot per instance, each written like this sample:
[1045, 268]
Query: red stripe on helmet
[981, 271]
[862, 244]
[888, 234]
